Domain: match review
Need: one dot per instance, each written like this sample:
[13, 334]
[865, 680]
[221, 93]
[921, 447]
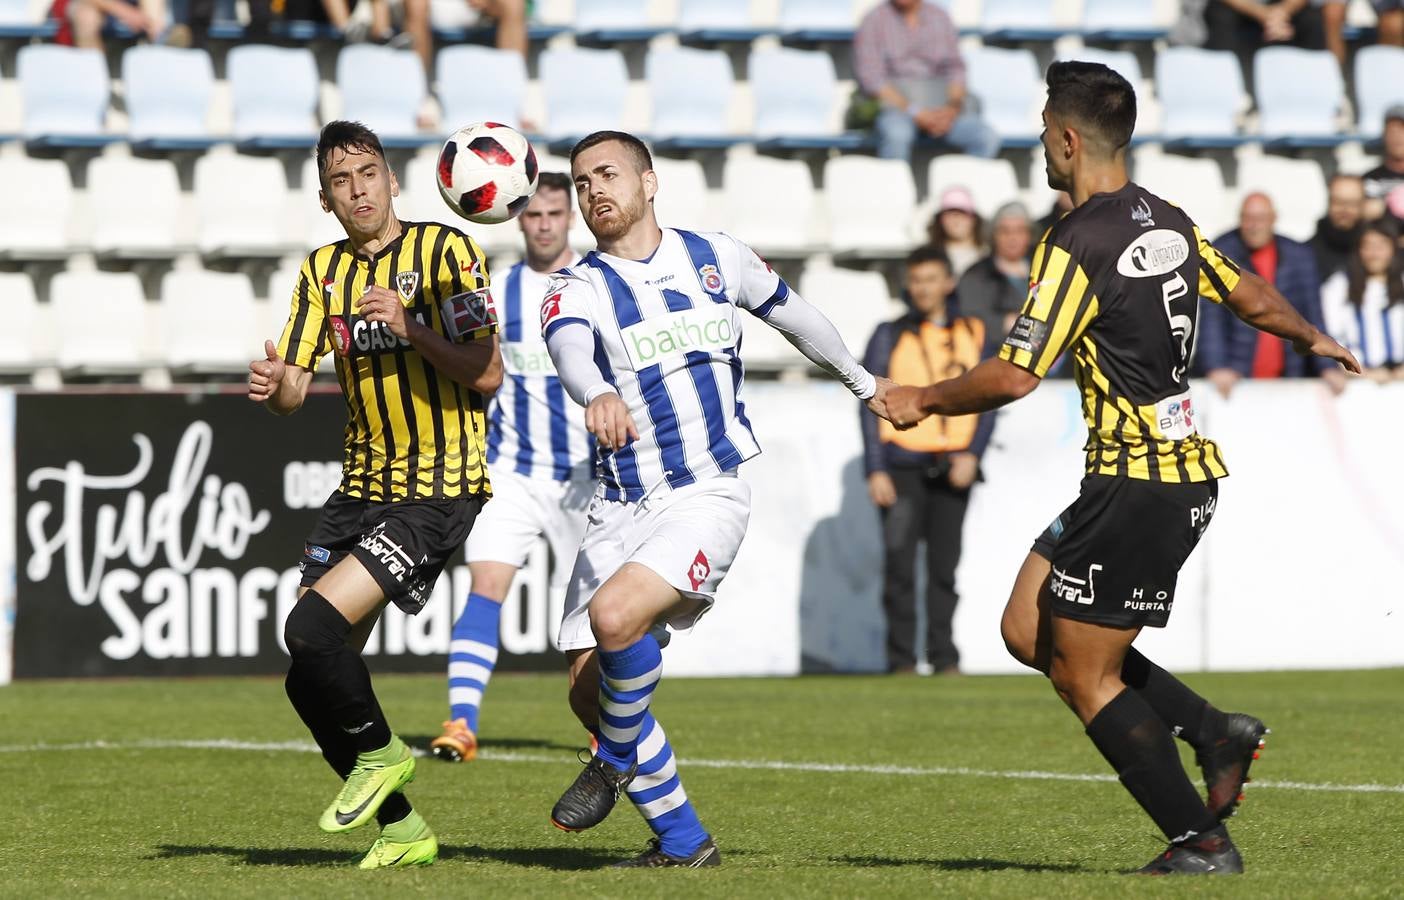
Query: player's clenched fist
[607, 418]
[904, 407]
[266, 374]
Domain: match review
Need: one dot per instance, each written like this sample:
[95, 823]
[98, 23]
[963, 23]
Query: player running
[1117, 281]
[645, 334]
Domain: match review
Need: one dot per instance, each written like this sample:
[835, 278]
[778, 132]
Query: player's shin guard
[658, 794]
[472, 656]
[1139, 747]
[627, 680]
[1188, 716]
[333, 672]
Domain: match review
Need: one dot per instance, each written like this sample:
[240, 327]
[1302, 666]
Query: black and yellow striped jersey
[1118, 282]
[412, 432]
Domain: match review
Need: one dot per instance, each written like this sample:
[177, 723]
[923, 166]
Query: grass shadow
[300, 857]
[421, 742]
[977, 864]
[558, 858]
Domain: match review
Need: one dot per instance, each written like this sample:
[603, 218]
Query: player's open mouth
[362, 210]
[601, 210]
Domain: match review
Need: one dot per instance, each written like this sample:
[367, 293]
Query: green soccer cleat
[420, 849]
[376, 776]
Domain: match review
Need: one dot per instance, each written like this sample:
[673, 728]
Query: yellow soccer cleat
[456, 744]
[376, 776]
[407, 843]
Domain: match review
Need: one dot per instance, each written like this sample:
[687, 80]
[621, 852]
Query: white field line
[744, 764]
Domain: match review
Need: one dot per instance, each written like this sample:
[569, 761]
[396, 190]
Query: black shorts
[403, 545]
[1117, 550]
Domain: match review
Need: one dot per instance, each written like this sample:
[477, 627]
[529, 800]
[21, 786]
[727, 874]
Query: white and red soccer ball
[487, 172]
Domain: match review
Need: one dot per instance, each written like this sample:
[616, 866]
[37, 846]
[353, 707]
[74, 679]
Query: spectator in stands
[509, 18]
[1339, 230]
[1363, 306]
[1389, 26]
[955, 230]
[920, 479]
[1229, 350]
[994, 289]
[1389, 174]
[1245, 26]
[905, 55]
[148, 18]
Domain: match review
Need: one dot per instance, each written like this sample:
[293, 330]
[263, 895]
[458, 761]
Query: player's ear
[650, 183]
[394, 184]
[322, 198]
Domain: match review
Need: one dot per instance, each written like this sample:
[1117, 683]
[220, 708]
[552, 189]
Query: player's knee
[612, 621]
[314, 627]
[1021, 642]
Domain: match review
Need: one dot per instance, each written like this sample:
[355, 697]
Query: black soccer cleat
[1225, 765]
[655, 858]
[589, 800]
[1211, 853]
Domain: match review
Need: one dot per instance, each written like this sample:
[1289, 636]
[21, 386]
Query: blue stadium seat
[794, 92]
[1108, 21]
[1299, 94]
[691, 90]
[384, 88]
[584, 91]
[1125, 64]
[1379, 84]
[275, 93]
[716, 21]
[1019, 21]
[65, 92]
[1201, 93]
[613, 21]
[19, 22]
[168, 97]
[1010, 90]
[480, 84]
[817, 20]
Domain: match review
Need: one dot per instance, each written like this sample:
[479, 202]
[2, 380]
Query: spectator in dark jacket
[994, 289]
[1339, 230]
[1228, 350]
[920, 479]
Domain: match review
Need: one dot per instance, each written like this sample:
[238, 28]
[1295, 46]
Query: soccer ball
[487, 172]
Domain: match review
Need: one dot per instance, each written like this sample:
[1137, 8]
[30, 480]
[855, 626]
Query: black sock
[334, 673]
[1187, 715]
[337, 747]
[1139, 747]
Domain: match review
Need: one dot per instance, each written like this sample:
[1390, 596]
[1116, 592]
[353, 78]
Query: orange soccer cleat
[456, 744]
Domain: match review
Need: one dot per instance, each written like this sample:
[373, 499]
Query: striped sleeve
[1218, 275]
[469, 314]
[304, 339]
[1059, 308]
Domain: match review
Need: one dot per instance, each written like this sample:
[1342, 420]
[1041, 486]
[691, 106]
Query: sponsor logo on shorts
[1200, 515]
[389, 553]
[1160, 602]
[699, 570]
[1074, 590]
[316, 554]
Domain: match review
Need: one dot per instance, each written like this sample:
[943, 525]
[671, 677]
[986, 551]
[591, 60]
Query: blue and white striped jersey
[667, 335]
[534, 429]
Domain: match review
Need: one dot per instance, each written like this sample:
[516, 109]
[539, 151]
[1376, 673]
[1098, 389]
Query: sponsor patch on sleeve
[469, 312]
[1028, 334]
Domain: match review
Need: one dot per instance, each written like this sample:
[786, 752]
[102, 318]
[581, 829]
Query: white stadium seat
[25, 340]
[992, 182]
[856, 302]
[1299, 92]
[1379, 84]
[1297, 188]
[584, 90]
[696, 15]
[135, 206]
[110, 336]
[605, 15]
[210, 321]
[480, 84]
[1121, 15]
[274, 91]
[793, 92]
[64, 90]
[1123, 62]
[870, 203]
[1009, 87]
[1201, 92]
[38, 205]
[381, 87]
[168, 92]
[1196, 185]
[318, 227]
[752, 188]
[690, 89]
[1017, 14]
[817, 15]
[241, 205]
[681, 201]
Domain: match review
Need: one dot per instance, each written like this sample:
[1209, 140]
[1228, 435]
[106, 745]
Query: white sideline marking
[748, 764]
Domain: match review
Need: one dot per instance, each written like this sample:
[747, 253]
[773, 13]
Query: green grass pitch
[813, 787]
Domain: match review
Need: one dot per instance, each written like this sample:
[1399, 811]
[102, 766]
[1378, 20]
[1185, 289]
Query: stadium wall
[159, 534]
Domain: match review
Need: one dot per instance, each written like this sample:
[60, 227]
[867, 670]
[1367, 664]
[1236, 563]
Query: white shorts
[689, 537]
[523, 509]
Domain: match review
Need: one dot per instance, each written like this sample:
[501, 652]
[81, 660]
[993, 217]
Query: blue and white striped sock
[658, 794]
[472, 655]
[627, 680]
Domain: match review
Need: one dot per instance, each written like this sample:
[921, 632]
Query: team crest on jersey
[407, 285]
[699, 570]
[340, 335]
[711, 278]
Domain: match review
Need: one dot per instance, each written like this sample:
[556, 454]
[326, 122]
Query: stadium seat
[168, 96]
[991, 182]
[275, 92]
[318, 227]
[38, 203]
[384, 88]
[25, 340]
[199, 340]
[681, 201]
[817, 20]
[1379, 84]
[584, 90]
[241, 206]
[1201, 93]
[1122, 20]
[135, 208]
[282, 284]
[870, 203]
[612, 21]
[769, 203]
[856, 302]
[1297, 188]
[1196, 185]
[794, 94]
[65, 93]
[1010, 90]
[1019, 20]
[716, 20]
[480, 84]
[1123, 62]
[1299, 94]
[691, 90]
[109, 337]
[420, 201]
[23, 19]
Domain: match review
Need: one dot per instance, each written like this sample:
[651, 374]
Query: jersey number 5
[1181, 324]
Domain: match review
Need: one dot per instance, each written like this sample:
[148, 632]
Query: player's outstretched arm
[1261, 305]
[989, 385]
[475, 364]
[276, 384]
[813, 335]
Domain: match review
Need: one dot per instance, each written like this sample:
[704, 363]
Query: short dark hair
[344, 135]
[1096, 99]
[556, 181]
[929, 253]
[643, 160]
